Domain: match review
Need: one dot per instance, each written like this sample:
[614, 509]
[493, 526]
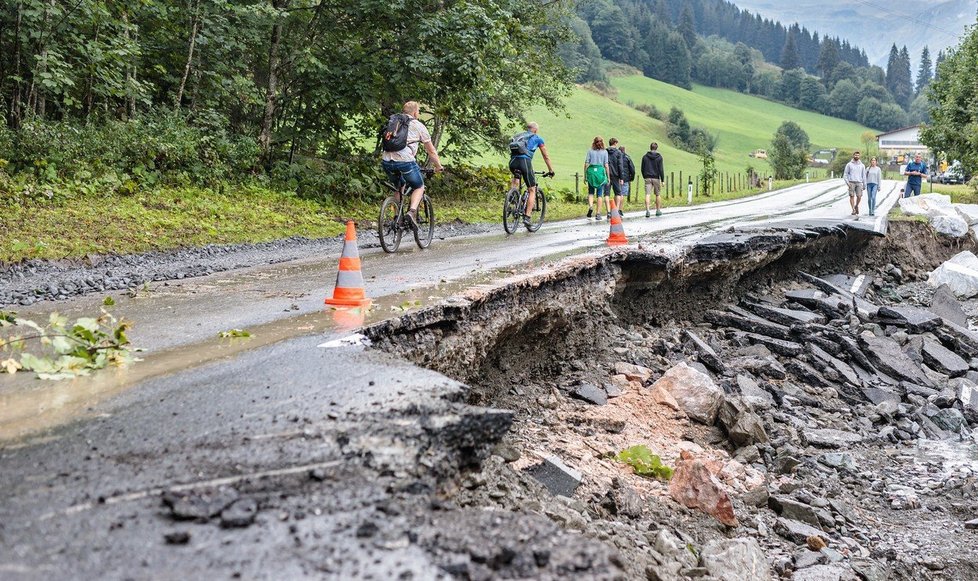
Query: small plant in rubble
[63, 350]
[644, 462]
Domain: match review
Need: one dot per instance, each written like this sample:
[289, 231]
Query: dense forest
[198, 91]
[715, 43]
[231, 88]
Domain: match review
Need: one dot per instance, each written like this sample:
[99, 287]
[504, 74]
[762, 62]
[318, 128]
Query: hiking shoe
[609, 215]
[621, 214]
[412, 219]
[527, 221]
[648, 214]
[599, 217]
[658, 212]
[590, 212]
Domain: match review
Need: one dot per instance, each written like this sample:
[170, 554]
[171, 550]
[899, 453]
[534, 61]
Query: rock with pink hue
[693, 486]
[695, 392]
[633, 372]
[663, 397]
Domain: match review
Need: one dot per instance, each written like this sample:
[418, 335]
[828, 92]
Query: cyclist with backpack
[399, 140]
[521, 150]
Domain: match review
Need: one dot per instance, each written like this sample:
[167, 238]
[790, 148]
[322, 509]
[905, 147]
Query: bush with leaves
[789, 151]
[644, 462]
[62, 349]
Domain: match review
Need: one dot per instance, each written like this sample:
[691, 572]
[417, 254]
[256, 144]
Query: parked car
[953, 175]
[758, 153]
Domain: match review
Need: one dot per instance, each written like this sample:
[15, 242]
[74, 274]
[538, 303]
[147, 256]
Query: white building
[901, 142]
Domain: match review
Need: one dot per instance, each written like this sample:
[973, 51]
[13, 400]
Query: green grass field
[743, 123]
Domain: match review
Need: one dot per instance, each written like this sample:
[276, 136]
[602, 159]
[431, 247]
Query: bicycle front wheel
[389, 225]
[426, 223]
[540, 209]
[511, 217]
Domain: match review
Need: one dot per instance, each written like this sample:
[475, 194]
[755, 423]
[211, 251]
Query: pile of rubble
[954, 220]
[788, 420]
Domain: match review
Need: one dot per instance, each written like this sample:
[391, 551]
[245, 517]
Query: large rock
[735, 560]
[829, 438]
[743, 426]
[695, 392]
[795, 531]
[693, 486]
[706, 353]
[946, 306]
[967, 395]
[914, 319]
[793, 510]
[755, 395]
[968, 213]
[951, 226]
[929, 205]
[959, 273]
[633, 372]
[590, 393]
[824, 573]
[942, 359]
[887, 356]
[785, 316]
[559, 478]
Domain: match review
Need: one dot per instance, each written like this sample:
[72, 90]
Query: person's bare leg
[858, 200]
[618, 201]
[590, 202]
[658, 202]
[530, 199]
[416, 196]
[600, 198]
[514, 183]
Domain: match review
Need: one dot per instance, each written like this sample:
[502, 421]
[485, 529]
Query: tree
[828, 57]
[708, 171]
[789, 54]
[810, 93]
[789, 90]
[687, 27]
[920, 110]
[871, 112]
[844, 99]
[898, 80]
[954, 118]
[788, 155]
[924, 73]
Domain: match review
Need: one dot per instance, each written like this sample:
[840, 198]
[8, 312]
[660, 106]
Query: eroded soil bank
[833, 409]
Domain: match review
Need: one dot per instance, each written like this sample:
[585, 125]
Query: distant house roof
[898, 130]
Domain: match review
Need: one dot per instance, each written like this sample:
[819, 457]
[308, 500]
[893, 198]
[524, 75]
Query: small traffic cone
[617, 236]
[349, 290]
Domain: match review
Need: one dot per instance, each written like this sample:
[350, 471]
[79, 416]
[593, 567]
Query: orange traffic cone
[617, 236]
[349, 281]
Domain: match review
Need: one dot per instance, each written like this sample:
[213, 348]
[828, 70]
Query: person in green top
[596, 175]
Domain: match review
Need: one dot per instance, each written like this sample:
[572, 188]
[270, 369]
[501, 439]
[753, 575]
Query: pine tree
[687, 27]
[903, 92]
[924, 73]
[828, 58]
[891, 68]
[789, 54]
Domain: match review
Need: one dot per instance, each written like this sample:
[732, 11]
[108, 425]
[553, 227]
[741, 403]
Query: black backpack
[394, 136]
[519, 144]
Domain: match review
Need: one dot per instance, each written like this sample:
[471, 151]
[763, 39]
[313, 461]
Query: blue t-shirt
[532, 144]
[914, 166]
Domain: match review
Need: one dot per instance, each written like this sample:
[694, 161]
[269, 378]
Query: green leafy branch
[644, 462]
[65, 350]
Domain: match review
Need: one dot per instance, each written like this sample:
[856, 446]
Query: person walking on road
[654, 176]
[522, 148]
[874, 175]
[855, 177]
[616, 172]
[914, 171]
[596, 175]
[628, 178]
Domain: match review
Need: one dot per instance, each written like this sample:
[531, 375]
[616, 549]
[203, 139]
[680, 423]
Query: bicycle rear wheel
[511, 214]
[540, 205]
[426, 223]
[389, 225]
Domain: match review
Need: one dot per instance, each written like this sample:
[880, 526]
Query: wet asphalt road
[80, 498]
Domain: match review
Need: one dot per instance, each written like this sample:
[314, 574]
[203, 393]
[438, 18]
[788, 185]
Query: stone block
[559, 478]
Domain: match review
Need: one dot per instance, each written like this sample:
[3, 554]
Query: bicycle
[514, 207]
[393, 219]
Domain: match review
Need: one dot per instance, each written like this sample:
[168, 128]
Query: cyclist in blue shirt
[914, 171]
[521, 165]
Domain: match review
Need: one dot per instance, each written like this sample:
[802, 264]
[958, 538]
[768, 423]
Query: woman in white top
[874, 176]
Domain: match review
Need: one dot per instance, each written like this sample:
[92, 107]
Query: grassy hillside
[742, 122]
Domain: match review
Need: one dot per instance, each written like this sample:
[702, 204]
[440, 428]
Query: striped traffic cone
[349, 290]
[617, 236]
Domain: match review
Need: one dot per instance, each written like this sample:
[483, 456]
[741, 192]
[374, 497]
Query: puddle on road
[29, 405]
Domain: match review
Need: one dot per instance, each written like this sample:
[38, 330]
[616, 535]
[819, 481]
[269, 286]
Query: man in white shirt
[855, 178]
[402, 165]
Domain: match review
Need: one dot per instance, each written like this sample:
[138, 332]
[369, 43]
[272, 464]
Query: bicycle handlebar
[546, 174]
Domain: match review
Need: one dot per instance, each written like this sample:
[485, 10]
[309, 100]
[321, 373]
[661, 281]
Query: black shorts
[616, 186]
[523, 167]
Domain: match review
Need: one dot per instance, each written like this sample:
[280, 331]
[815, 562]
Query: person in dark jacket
[628, 166]
[655, 177]
[616, 169]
